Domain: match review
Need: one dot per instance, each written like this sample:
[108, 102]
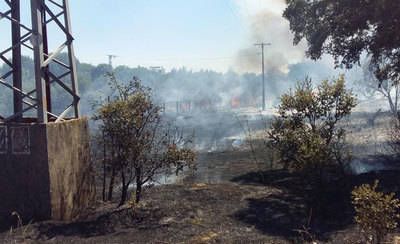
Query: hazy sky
[198, 34]
[193, 33]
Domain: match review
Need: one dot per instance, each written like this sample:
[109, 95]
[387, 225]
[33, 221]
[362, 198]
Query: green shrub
[305, 133]
[138, 143]
[376, 212]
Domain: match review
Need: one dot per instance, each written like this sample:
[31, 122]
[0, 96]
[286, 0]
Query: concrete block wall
[45, 171]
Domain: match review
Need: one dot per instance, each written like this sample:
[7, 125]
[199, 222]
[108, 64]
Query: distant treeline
[176, 85]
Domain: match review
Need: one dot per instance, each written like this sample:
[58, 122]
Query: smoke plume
[266, 24]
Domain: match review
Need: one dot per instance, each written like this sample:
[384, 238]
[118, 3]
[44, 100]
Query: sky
[197, 34]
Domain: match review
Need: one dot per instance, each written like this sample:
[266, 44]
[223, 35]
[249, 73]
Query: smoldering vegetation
[219, 109]
[201, 95]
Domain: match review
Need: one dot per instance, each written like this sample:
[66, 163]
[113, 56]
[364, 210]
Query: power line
[262, 45]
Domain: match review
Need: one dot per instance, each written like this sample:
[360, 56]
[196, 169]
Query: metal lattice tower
[35, 38]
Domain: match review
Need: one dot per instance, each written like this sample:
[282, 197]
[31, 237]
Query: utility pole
[262, 45]
[110, 59]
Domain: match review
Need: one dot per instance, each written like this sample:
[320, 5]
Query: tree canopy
[346, 29]
[306, 133]
[137, 143]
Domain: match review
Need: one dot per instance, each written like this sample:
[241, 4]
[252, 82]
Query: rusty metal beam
[42, 14]
[16, 54]
[37, 13]
[46, 69]
[71, 57]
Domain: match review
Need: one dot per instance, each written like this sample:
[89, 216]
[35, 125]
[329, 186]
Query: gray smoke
[268, 25]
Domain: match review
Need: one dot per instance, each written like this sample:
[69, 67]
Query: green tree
[308, 138]
[138, 145]
[346, 29]
[306, 132]
[389, 89]
[100, 70]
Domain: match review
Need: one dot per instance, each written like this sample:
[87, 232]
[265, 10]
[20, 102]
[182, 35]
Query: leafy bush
[305, 133]
[138, 144]
[376, 212]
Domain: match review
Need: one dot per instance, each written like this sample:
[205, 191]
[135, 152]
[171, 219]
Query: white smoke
[266, 24]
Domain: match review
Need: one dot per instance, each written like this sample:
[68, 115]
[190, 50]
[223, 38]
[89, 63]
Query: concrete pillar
[45, 171]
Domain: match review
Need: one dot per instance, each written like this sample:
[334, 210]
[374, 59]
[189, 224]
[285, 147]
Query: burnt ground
[248, 204]
[234, 197]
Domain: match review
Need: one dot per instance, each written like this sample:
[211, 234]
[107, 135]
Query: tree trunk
[113, 171]
[104, 168]
[104, 182]
[124, 192]
[391, 104]
[138, 184]
[111, 186]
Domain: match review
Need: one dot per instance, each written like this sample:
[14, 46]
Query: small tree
[137, 142]
[376, 212]
[305, 133]
[389, 89]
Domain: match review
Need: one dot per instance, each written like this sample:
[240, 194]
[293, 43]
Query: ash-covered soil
[236, 196]
[252, 208]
